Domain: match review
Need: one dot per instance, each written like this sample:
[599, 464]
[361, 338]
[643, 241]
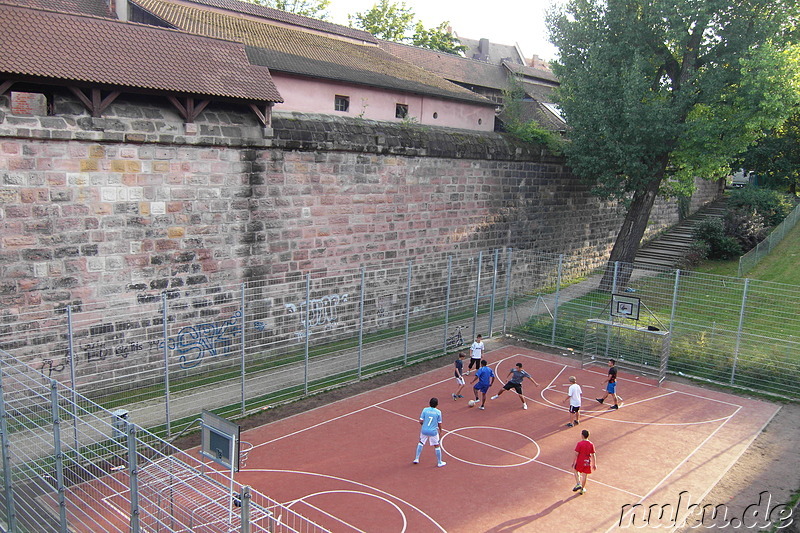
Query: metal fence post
[508, 290]
[133, 475]
[73, 384]
[477, 296]
[308, 333]
[166, 361]
[555, 304]
[408, 314]
[739, 330]
[244, 368]
[361, 321]
[494, 289]
[5, 442]
[59, 457]
[244, 518]
[447, 302]
[674, 301]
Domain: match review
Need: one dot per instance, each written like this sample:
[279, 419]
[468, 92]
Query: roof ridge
[278, 15]
[148, 27]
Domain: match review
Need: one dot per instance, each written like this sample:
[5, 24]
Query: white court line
[665, 478]
[532, 460]
[361, 492]
[358, 483]
[457, 432]
[634, 381]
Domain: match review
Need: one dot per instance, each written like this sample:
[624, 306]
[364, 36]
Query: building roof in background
[450, 66]
[44, 45]
[98, 8]
[307, 53]
[532, 74]
[495, 53]
[467, 71]
[276, 15]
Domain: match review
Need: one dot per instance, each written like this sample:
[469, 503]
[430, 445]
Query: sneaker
[441, 464]
[454, 397]
[466, 373]
[583, 491]
[524, 405]
[494, 397]
[481, 408]
[570, 425]
[460, 396]
[577, 422]
[415, 461]
[577, 487]
[599, 400]
[614, 407]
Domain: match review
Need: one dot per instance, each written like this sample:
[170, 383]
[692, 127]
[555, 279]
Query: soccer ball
[471, 403]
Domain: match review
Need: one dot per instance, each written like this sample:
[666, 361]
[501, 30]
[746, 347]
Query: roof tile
[94, 50]
[310, 54]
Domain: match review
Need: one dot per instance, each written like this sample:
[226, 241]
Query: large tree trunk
[630, 235]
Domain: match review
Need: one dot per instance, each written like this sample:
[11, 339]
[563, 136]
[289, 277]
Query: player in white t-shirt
[574, 397]
[476, 354]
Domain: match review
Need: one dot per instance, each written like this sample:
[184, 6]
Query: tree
[393, 21]
[439, 38]
[385, 20]
[776, 157]
[656, 92]
[307, 8]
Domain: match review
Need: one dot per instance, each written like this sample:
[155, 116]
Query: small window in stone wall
[401, 110]
[28, 103]
[341, 103]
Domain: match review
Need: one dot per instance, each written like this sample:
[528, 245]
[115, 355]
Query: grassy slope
[779, 266]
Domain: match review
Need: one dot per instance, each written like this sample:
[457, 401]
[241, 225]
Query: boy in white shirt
[574, 397]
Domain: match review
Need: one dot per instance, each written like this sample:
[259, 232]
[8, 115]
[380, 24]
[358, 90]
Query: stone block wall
[130, 203]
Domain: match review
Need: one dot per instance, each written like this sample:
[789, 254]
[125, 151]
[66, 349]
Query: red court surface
[348, 465]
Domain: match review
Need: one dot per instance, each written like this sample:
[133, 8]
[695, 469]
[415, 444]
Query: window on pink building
[341, 103]
[401, 110]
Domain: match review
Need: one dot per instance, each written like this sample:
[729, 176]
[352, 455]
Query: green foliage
[526, 131]
[770, 205]
[747, 227]
[657, 92]
[439, 38]
[720, 245]
[385, 20]
[307, 8]
[394, 21]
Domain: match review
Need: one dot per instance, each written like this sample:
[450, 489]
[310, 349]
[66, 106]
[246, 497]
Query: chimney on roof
[483, 50]
[118, 8]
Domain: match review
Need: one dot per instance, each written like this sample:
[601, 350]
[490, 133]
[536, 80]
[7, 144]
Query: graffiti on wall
[323, 313]
[194, 343]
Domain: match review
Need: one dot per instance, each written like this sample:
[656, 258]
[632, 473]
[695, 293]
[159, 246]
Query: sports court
[348, 465]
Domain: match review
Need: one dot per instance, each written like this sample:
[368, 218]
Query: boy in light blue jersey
[431, 422]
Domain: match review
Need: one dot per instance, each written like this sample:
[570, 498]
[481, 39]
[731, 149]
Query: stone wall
[137, 203]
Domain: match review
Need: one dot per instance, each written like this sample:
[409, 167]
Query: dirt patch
[771, 463]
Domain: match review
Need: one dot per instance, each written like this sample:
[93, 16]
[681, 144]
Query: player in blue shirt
[485, 378]
[431, 422]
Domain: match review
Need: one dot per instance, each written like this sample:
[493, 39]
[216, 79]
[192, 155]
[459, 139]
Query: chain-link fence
[70, 465]
[76, 379]
[749, 260]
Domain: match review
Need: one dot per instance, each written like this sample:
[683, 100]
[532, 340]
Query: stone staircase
[667, 250]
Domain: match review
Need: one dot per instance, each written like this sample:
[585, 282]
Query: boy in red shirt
[585, 462]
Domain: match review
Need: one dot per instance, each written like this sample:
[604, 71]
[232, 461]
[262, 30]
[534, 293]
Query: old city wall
[132, 204]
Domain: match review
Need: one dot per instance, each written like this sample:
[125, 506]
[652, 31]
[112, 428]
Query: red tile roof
[48, 45]
[98, 8]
